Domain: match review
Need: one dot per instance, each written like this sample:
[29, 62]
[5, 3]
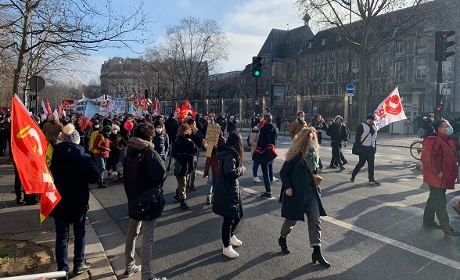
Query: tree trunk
[22, 48]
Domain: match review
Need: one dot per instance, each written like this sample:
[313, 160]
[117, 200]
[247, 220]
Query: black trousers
[228, 228]
[369, 156]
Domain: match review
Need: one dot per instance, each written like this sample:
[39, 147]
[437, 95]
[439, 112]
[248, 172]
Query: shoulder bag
[266, 154]
[357, 148]
[149, 204]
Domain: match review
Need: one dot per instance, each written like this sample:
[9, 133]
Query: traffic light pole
[256, 110]
[438, 90]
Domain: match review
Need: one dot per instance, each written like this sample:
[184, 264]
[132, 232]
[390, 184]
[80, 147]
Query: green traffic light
[256, 73]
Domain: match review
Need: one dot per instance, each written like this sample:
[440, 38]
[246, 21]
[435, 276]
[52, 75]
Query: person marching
[227, 195]
[366, 134]
[253, 138]
[339, 136]
[301, 195]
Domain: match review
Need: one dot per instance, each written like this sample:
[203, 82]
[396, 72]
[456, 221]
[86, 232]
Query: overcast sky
[245, 23]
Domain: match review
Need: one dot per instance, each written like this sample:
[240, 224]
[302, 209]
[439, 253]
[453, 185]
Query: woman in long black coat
[227, 195]
[301, 196]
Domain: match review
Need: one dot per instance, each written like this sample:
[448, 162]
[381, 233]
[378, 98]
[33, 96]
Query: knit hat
[158, 123]
[69, 134]
[255, 128]
[115, 127]
[107, 128]
[338, 116]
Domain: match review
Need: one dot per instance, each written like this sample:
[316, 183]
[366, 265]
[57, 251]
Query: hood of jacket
[223, 150]
[67, 151]
[136, 144]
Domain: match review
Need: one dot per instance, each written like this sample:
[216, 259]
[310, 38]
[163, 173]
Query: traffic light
[441, 45]
[256, 66]
[439, 109]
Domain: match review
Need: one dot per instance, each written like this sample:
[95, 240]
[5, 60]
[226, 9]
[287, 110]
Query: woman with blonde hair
[301, 196]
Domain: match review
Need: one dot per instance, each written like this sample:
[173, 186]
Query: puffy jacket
[439, 155]
[72, 171]
[102, 145]
[183, 151]
[227, 194]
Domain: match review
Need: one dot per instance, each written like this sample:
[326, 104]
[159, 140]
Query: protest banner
[212, 137]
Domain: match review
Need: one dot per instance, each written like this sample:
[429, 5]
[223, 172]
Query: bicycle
[416, 149]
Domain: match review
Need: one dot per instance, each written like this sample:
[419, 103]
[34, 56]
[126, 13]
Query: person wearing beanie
[101, 150]
[366, 134]
[339, 136]
[72, 170]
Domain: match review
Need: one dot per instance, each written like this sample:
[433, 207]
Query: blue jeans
[267, 171]
[211, 181]
[255, 167]
[62, 241]
[147, 230]
[100, 167]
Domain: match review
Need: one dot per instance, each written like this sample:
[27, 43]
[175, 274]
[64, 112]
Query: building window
[339, 39]
[398, 48]
[317, 58]
[345, 66]
[324, 41]
[310, 44]
[331, 55]
[398, 70]
[420, 70]
[420, 45]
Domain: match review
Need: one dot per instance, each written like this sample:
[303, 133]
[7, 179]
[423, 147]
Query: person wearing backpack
[101, 153]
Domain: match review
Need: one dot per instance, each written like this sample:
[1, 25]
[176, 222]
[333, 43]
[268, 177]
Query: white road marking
[389, 241]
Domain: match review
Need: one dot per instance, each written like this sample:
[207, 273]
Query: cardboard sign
[212, 137]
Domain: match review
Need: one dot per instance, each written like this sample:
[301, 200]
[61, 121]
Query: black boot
[322, 261]
[283, 245]
[183, 205]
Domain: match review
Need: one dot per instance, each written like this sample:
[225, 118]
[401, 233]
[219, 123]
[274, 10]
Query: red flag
[60, 110]
[48, 108]
[177, 110]
[186, 110]
[156, 108]
[136, 100]
[143, 104]
[28, 144]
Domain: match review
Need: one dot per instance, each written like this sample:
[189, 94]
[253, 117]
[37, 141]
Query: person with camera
[143, 169]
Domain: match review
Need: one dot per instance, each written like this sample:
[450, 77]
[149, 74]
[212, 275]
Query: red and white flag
[177, 110]
[28, 144]
[390, 110]
[48, 108]
[156, 108]
[186, 110]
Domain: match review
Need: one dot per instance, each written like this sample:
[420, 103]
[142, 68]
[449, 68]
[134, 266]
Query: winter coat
[142, 168]
[319, 126]
[183, 151]
[231, 126]
[268, 134]
[227, 195]
[296, 126]
[296, 176]
[253, 138]
[338, 133]
[161, 143]
[171, 126]
[102, 145]
[212, 161]
[437, 157]
[72, 171]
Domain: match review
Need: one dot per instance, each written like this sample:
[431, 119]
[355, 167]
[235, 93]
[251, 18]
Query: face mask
[449, 130]
[158, 130]
[209, 121]
[96, 127]
[115, 132]
[302, 118]
[432, 119]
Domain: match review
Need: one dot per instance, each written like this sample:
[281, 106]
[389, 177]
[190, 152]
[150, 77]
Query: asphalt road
[370, 233]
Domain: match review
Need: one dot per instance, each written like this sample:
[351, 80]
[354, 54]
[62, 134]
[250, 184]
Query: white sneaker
[209, 199]
[275, 179]
[229, 252]
[256, 180]
[235, 241]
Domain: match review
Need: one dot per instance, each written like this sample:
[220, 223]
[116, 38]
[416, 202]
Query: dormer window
[339, 39]
[323, 42]
[310, 44]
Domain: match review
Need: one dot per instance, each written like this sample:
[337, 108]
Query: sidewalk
[22, 222]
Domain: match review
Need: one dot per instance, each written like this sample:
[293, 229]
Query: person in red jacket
[102, 150]
[439, 162]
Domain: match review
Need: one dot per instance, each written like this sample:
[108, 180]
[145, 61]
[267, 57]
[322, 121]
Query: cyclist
[427, 126]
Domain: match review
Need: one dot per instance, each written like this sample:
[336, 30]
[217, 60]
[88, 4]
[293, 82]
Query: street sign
[350, 89]
[36, 83]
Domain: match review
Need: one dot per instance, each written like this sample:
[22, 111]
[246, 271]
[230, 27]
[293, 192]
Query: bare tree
[371, 31]
[66, 28]
[192, 50]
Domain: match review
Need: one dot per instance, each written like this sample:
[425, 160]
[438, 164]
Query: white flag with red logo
[156, 108]
[390, 110]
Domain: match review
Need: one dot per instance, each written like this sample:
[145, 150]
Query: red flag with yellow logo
[32, 156]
